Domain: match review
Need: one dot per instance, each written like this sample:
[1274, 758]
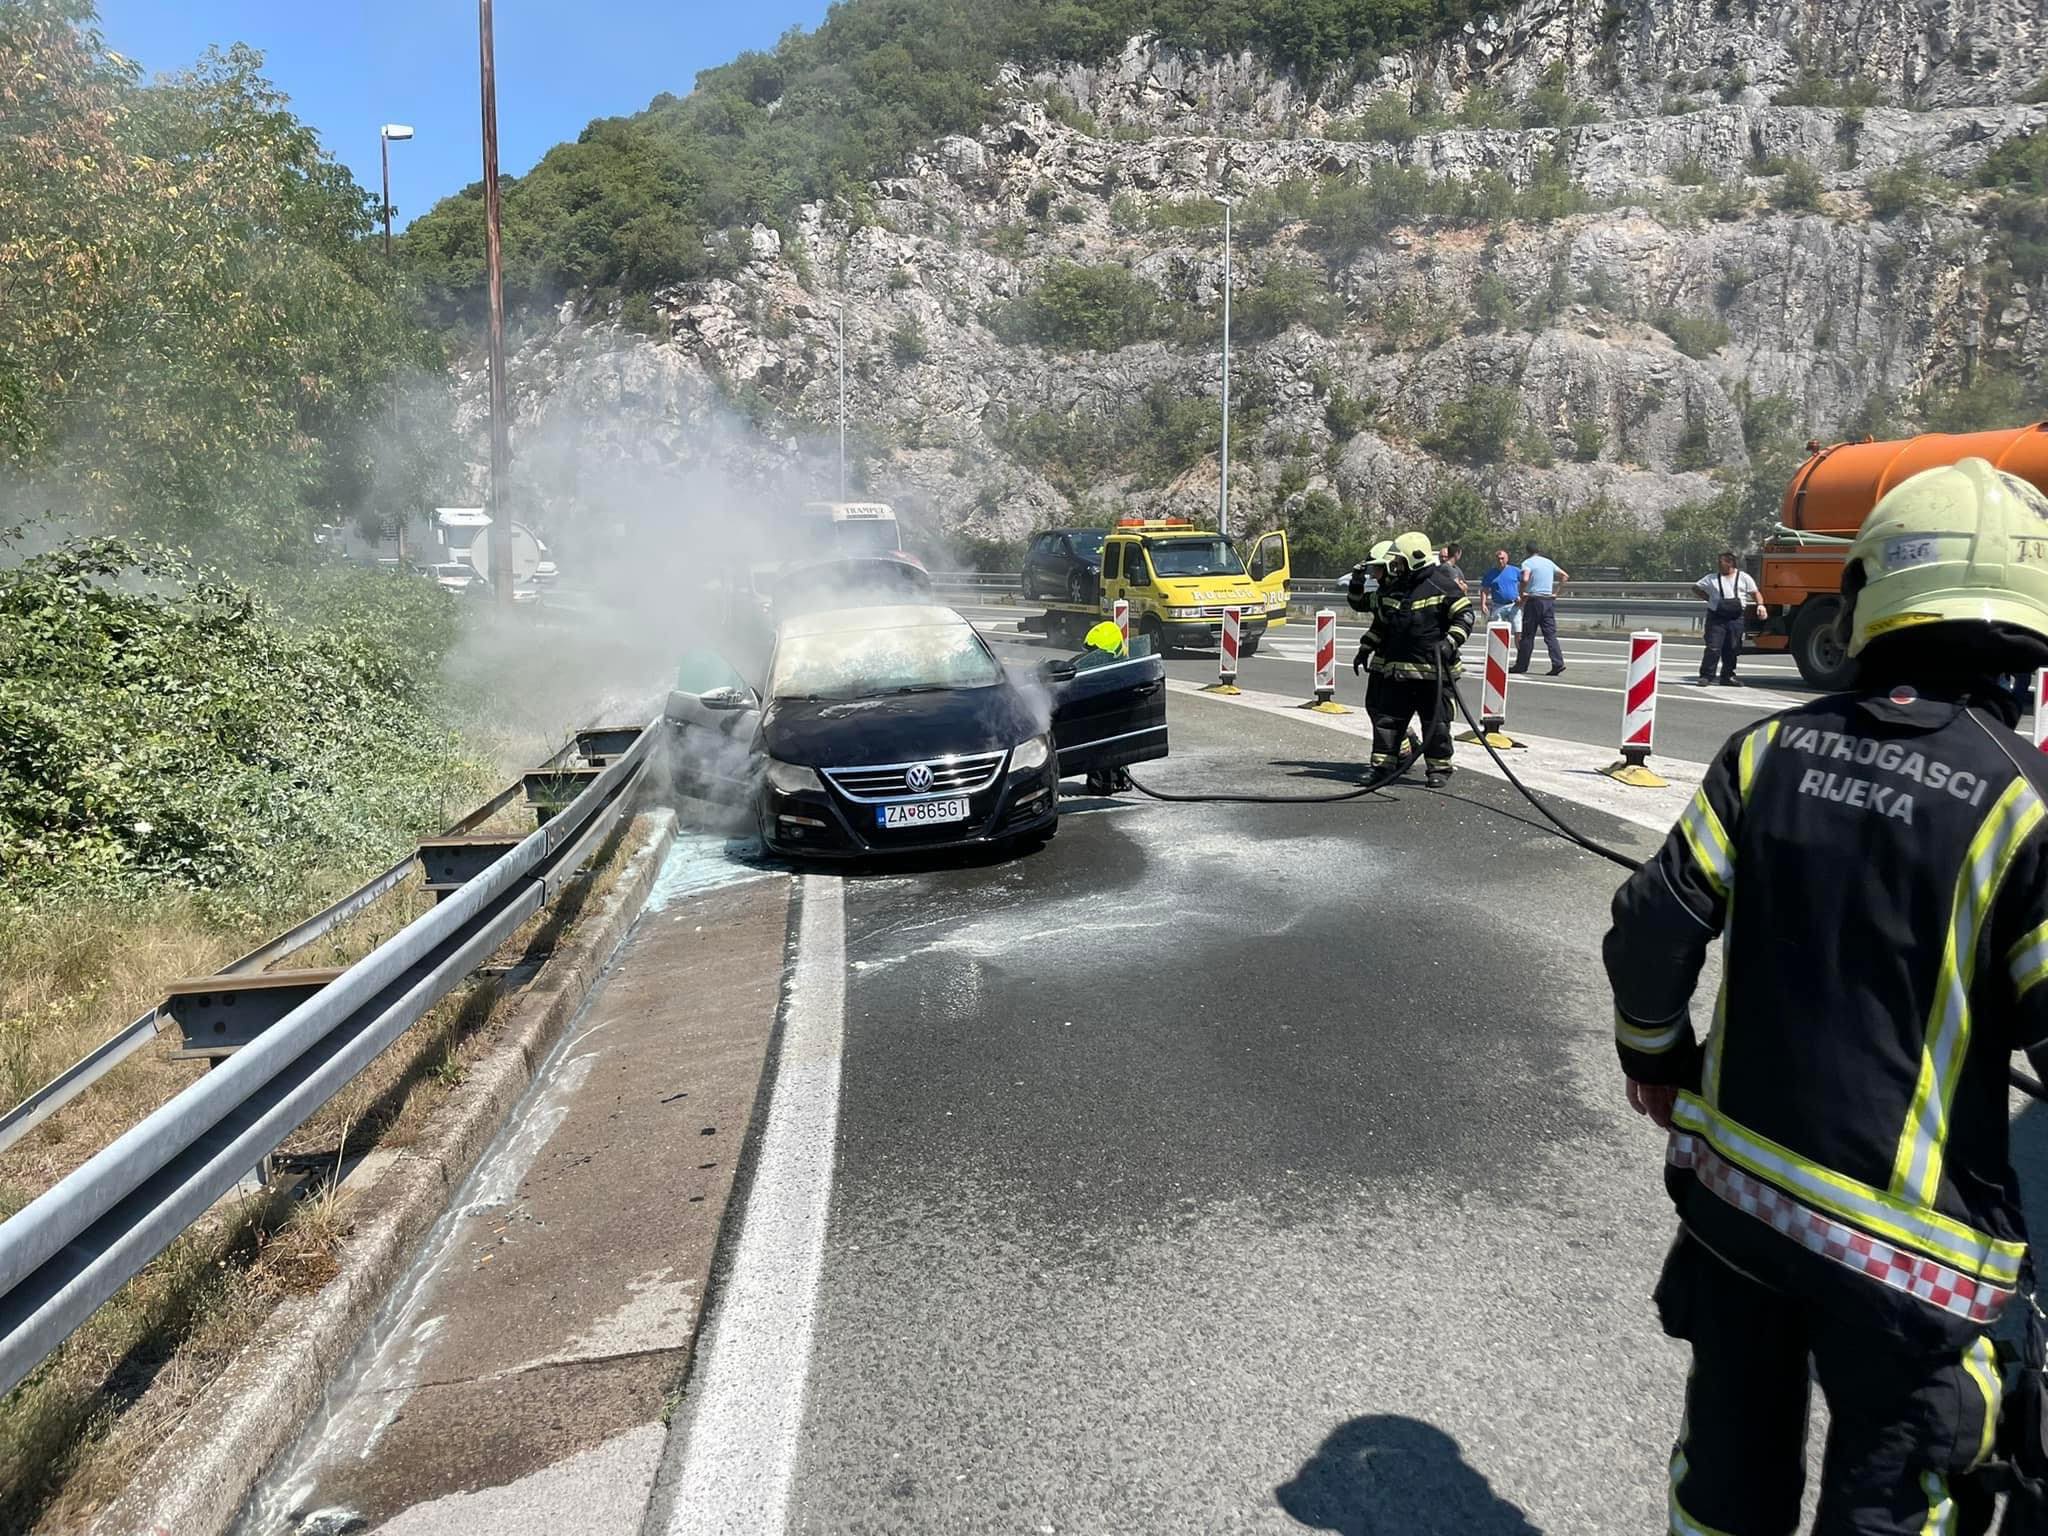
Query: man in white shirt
[1731, 596]
[1542, 579]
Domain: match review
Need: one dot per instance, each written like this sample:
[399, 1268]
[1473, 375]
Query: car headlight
[789, 779]
[1184, 613]
[1031, 754]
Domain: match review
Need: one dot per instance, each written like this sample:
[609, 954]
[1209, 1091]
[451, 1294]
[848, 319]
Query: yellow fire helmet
[1380, 552]
[1961, 542]
[1105, 637]
[1416, 550]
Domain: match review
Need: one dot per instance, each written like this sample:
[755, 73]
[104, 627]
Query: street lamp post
[500, 531]
[1223, 487]
[842, 399]
[385, 135]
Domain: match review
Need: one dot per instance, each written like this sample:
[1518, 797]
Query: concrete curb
[195, 1481]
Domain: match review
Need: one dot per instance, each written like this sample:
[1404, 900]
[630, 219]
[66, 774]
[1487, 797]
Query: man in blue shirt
[1542, 580]
[1502, 590]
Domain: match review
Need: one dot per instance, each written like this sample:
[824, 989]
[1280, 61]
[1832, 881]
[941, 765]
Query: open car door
[1107, 716]
[714, 721]
[1270, 572]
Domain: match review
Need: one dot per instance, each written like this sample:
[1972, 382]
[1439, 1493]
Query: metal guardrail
[65, 1253]
[110, 1053]
[1618, 600]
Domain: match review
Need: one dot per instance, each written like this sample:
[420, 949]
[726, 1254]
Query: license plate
[920, 813]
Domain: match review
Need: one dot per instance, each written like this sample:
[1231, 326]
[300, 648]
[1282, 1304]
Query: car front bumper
[1201, 632]
[823, 824]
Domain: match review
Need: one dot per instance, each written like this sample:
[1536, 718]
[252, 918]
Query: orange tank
[1830, 495]
[1835, 489]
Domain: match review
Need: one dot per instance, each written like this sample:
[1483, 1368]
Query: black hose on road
[1411, 750]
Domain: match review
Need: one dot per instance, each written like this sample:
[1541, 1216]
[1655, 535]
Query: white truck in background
[857, 527]
[464, 532]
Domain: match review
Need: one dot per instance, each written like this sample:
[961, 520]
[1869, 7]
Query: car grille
[961, 775]
[1244, 610]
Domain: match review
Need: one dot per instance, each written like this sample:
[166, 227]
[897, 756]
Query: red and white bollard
[1226, 653]
[1121, 612]
[1639, 712]
[1323, 696]
[2041, 711]
[1493, 691]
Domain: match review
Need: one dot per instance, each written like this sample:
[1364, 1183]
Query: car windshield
[866, 663]
[1194, 557]
[1089, 544]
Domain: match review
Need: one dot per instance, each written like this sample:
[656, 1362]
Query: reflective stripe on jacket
[1410, 623]
[1876, 867]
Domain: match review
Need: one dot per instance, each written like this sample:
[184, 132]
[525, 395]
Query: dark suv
[1065, 565]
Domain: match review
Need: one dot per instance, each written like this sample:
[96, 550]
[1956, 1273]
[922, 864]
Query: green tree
[1288, 294]
[1798, 189]
[1322, 536]
[1092, 308]
[1477, 428]
[185, 284]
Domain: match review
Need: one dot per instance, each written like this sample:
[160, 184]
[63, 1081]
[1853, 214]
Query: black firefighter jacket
[1416, 624]
[1876, 868]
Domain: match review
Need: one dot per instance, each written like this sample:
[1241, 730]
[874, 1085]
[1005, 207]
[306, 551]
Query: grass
[75, 1432]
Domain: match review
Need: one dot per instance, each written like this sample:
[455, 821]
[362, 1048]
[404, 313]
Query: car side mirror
[727, 699]
[1058, 669]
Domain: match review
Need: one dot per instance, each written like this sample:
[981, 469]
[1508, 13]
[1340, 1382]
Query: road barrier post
[2041, 711]
[1639, 712]
[1493, 692]
[1121, 612]
[1323, 697]
[1226, 654]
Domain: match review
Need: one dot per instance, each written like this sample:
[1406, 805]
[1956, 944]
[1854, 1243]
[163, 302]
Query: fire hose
[2025, 1082]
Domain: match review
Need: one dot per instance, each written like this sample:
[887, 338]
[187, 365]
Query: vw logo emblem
[919, 778]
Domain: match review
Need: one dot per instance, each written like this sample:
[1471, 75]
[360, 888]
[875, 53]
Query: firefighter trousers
[1904, 1425]
[1392, 702]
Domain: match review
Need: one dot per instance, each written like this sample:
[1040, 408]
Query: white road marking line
[739, 1458]
[1543, 767]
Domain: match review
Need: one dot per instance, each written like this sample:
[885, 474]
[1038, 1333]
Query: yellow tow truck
[1178, 579]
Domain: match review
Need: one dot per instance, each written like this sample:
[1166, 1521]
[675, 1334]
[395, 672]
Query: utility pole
[385, 135]
[1223, 488]
[500, 532]
[842, 399]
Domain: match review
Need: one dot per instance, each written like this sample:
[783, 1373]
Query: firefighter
[1411, 646]
[1837, 1144]
[1372, 568]
[1103, 646]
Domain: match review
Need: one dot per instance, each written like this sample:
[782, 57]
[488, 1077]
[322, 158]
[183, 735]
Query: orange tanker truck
[1825, 504]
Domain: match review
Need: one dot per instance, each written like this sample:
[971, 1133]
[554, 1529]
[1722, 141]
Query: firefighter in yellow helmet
[1368, 576]
[1837, 1142]
[1419, 624]
[1104, 646]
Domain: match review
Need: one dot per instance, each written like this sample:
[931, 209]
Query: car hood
[897, 728]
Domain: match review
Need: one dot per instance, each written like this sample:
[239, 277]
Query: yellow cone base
[1230, 688]
[1500, 741]
[1325, 707]
[1635, 774]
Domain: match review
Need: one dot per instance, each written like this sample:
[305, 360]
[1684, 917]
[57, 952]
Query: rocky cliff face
[1594, 325]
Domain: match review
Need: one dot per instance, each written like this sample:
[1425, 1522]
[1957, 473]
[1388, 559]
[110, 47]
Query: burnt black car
[894, 729]
[1064, 565]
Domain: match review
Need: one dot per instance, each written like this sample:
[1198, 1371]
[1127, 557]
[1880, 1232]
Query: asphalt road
[1218, 1168]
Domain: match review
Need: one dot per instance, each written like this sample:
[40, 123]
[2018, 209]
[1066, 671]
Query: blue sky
[350, 65]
